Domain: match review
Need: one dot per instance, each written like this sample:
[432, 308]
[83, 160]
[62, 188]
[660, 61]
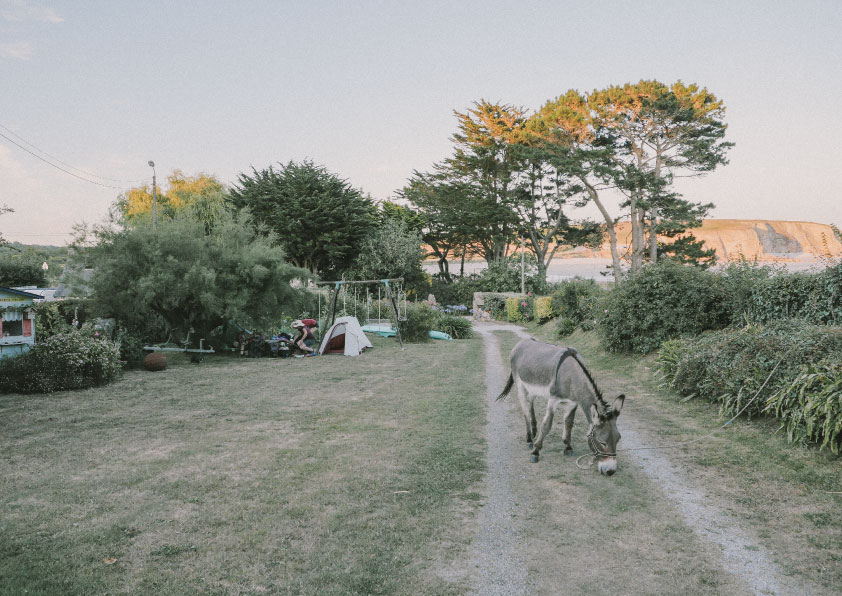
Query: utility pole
[154, 197]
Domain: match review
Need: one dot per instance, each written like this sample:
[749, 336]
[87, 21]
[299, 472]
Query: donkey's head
[603, 435]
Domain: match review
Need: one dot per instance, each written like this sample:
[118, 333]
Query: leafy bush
[660, 302]
[575, 300]
[48, 320]
[814, 297]
[739, 281]
[455, 326]
[729, 366]
[564, 327]
[418, 324]
[543, 309]
[495, 305]
[513, 314]
[459, 291]
[810, 406]
[68, 360]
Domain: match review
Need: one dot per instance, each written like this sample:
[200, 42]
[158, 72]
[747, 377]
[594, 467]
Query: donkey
[559, 374]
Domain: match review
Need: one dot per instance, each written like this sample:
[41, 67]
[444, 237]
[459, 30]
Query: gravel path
[742, 556]
[497, 553]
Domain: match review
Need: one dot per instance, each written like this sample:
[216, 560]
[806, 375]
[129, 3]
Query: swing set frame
[390, 297]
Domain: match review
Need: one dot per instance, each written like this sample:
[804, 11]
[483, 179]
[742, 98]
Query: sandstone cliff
[764, 240]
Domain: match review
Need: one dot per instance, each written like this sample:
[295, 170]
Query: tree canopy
[318, 218]
[184, 276]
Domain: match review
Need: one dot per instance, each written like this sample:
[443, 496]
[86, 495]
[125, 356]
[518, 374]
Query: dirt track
[530, 541]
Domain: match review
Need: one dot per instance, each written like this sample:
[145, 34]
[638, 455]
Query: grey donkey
[559, 374]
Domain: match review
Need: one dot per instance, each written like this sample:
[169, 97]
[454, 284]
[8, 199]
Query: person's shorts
[309, 342]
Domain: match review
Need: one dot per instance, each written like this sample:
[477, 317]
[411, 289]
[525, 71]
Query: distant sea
[593, 267]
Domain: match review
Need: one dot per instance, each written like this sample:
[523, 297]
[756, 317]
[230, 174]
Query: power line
[59, 167]
[64, 163]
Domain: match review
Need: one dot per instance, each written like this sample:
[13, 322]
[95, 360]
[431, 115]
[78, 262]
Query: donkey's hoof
[529, 445]
[534, 458]
[568, 451]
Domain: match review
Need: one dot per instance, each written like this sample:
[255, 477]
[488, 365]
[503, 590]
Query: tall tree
[449, 222]
[482, 170]
[319, 219]
[567, 125]
[544, 186]
[660, 132]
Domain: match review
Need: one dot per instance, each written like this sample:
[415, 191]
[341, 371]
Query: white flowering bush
[68, 360]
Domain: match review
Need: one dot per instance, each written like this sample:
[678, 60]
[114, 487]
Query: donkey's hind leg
[526, 405]
[546, 425]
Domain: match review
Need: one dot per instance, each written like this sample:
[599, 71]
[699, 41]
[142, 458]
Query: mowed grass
[330, 475]
[788, 496]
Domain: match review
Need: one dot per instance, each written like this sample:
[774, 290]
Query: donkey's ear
[618, 404]
[594, 414]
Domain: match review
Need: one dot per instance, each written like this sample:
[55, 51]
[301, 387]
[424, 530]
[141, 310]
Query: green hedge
[661, 302]
[67, 360]
[729, 366]
[814, 297]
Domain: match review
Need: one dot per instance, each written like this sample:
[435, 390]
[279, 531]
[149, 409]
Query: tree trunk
[638, 241]
[653, 239]
[612, 233]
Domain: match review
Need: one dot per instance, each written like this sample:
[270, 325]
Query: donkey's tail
[507, 388]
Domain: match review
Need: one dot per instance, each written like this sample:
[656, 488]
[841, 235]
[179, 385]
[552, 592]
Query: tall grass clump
[455, 326]
[729, 367]
[661, 302]
[810, 406]
[67, 360]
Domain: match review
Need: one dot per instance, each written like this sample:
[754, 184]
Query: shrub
[69, 360]
[729, 366]
[660, 302]
[543, 309]
[575, 300]
[418, 324]
[814, 297]
[495, 305]
[739, 281]
[564, 327]
[810, 406]
[459, 291]
[513, 314]
[455, 326]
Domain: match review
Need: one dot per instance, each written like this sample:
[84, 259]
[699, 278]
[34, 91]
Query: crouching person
[304, 338]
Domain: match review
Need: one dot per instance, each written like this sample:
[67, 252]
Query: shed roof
[20, 293]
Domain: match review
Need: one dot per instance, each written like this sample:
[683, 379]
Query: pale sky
[368, 89]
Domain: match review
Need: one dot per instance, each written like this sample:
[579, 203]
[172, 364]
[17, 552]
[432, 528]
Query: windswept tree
[319, 219]
[447, 219]
[660, 132]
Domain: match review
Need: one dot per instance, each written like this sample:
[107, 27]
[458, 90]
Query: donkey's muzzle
[607, 466]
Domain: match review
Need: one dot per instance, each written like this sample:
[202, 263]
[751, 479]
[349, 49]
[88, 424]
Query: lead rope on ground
[593, 455]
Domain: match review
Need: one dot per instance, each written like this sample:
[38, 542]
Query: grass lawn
[790, 496]
[330, 475]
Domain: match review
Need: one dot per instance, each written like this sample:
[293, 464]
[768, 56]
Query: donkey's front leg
[546, 425]
[569, 413]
